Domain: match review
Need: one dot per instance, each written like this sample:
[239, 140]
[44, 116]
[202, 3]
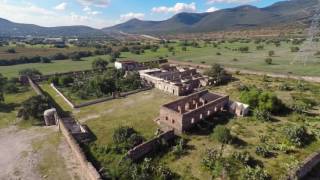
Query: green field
[253, 60]
[8, 112]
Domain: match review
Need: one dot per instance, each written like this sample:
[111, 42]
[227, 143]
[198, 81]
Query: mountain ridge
[241, 17]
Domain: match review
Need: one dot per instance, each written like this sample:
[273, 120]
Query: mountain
[242, 17]
[8, 28]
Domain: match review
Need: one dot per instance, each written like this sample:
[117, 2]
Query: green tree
[99, 64]
[29, 72]
[218, 74]
[296, 134]
[34, 108]
[268, 61]
[222, 134]
[271, 53]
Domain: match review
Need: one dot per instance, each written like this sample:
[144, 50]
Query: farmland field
[207, 54]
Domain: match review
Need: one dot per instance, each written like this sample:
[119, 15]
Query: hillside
[9, 28]
[242, 17]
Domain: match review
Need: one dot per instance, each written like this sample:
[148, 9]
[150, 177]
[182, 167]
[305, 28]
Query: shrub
[11, 88]
[126, 137]
[262, 115]
[263, 151]
[255, 173]
[260, 47]
[268, 61]
[222, 134]
[294, 49]
[29, 72]
[218, 54]
[65, 80]
[271, 53]
[11, 50]
[296, 134]
[99, 64]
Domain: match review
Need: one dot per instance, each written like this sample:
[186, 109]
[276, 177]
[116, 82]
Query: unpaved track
[315, 79]
[19, 160]
[16, 158]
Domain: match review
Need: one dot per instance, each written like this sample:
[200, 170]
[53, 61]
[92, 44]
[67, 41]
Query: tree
[244, 49]
[218, 74]
[295, 49]
[184, 48]
[34, 108]
[262, 115]
[268, 61]
[11, 50]
[222, 134]
[271, 53]
[65, 80]
[99, 64]
[29, 72]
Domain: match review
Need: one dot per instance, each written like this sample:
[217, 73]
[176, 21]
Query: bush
[11, 50]
[255, 173]
[218, 54]
[99, 64]
[11, 88]
[127, 137]
[262, 115]
[29, 72]
[263, 151]
[294, 49]
[271, 53]
[222, 134]
[65, 80]
[268, 61]
[296, 134]
[218, 74]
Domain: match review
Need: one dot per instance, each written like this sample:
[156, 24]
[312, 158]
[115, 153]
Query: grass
[51, 164]
[137, 111]
[253, 60]
[8, 112]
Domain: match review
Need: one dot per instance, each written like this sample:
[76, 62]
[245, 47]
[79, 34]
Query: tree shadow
[7, 108]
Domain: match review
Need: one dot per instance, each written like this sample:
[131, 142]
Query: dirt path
[16, 158]
[252, 72]
[25, 154]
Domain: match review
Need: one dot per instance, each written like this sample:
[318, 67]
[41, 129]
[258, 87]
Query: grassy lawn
[8, 112]
[137, 111]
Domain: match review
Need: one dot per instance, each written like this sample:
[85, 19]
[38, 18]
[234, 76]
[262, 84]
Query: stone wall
[143, 149]
[306, 166]
[88, 169]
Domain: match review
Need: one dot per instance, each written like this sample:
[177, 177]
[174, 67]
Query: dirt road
[252, 72]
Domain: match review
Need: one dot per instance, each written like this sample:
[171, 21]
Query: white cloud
[231, 1]
[177, 8]
[89, 11]
[126, 17]
[97, 3]
[31, 14]
[61, 7]
[212, 9]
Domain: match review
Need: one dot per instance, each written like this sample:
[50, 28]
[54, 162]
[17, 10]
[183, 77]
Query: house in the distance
[127, 65]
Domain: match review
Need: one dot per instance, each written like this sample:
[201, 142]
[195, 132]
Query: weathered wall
[88, 169]
[143, 149]
[306, 166]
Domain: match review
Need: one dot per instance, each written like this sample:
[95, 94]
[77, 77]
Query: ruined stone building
[127, 65]
[183, 114]
[175, 80]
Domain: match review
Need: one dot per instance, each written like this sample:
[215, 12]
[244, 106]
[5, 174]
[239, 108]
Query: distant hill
[242, 17]
[8, 28]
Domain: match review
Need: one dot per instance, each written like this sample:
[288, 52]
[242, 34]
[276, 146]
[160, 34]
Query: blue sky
[103, 13]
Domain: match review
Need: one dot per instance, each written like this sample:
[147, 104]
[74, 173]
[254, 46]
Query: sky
[105, 13]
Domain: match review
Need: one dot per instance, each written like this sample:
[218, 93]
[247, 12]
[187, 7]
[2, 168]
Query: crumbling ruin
[183, 114]
[175, 80]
